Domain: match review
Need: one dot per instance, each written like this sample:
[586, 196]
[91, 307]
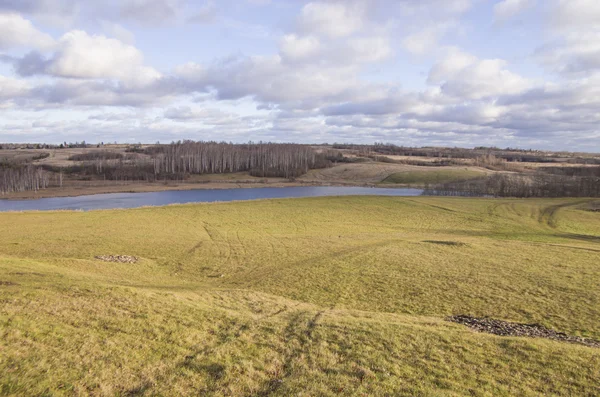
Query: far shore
[138, 187]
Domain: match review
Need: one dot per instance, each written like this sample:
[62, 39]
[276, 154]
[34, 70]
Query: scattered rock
[117, 258]
[7, 283]
[505, 328]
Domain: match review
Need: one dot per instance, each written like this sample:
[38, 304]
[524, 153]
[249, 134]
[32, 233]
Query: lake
[134, 200]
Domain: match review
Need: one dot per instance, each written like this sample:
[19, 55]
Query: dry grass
[319, 296]
[373, 173]
[432, 176]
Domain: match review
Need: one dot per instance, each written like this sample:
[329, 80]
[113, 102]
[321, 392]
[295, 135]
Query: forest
[166, 162]
[539, 184]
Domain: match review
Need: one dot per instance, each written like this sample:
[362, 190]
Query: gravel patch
[117, 258]
[505, 328]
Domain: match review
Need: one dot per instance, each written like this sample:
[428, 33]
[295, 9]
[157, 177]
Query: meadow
[317, 296]
[432, 177]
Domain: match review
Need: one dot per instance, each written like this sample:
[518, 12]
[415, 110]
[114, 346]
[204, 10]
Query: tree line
[22, 178]
[260, 159]
[539, 184]
[174, 161]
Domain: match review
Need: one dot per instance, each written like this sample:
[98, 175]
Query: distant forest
[539, 184]
[179, 160]
[168, 162]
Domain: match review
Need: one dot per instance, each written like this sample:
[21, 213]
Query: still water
[133, 200]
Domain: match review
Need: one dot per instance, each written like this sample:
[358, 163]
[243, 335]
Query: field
[434, 176]
[319, 296]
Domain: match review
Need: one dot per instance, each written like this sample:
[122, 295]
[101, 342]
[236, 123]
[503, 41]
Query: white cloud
[309, 49]
[11, 88]
[118, 32]
[206, 116]
[331, 19]
[507, 9]
[455, 61]
[575, 14]
[574, 54]
[270, 80]
[295, 48]
[16, 31]
[83, 56]
[368, 49]
[482, 79]
[426, 39]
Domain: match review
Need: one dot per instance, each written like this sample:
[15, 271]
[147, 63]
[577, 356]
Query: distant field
[373, 173]
[320, 296]
[430, 177]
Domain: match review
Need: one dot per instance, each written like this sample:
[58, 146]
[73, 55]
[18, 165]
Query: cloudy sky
[518, 73]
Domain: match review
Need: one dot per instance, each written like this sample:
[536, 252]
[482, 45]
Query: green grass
[319, 296]
[431, 177]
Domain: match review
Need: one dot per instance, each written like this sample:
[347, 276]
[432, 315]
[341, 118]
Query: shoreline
[76, 191]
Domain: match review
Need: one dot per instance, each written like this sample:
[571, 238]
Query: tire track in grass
[299, 335]
[548, 215]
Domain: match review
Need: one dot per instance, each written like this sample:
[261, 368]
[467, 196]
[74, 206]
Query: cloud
[507, 9]
[309, 49]
[426, 22]
[295, 48]
[463, 75]
[11, 88]
[269, 80]
[54, 12]
[150, 12]
[325, 74]
[574, 14]
[425, 40]
[118, 32]
[204, 115]
[432, 7]
[82, 56]
[205, 14]
[16, 31]
[332, 19]
[574, 54]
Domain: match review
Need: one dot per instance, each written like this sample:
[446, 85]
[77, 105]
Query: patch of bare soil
[117, 258]
[505, 328]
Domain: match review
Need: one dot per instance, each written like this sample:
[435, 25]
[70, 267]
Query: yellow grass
[432, 176]
[319, 296]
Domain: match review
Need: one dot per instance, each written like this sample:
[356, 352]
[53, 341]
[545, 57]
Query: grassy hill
[432, 177]
[318, 296]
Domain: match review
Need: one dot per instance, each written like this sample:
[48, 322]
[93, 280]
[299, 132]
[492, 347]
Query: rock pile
[117, 258]
[505, 328]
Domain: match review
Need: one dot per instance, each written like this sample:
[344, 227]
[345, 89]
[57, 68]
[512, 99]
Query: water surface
[133, 200]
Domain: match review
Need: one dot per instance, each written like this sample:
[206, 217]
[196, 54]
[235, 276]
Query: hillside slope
[319, 296]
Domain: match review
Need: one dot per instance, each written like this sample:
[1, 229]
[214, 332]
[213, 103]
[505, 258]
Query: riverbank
[136, 187]
[347, 175]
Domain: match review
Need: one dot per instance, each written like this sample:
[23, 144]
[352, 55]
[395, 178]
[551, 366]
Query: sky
[505, 73]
